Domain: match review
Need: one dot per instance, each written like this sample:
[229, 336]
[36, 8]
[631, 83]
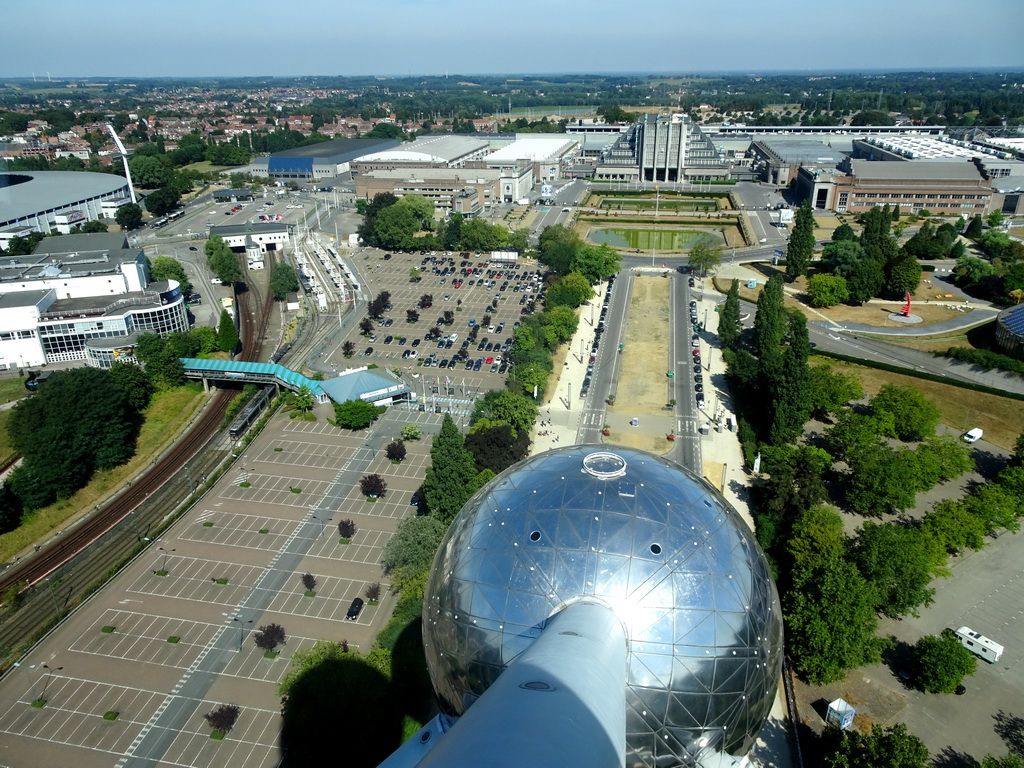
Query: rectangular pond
[656, 239]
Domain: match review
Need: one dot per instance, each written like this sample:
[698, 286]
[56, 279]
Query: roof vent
[604, 465]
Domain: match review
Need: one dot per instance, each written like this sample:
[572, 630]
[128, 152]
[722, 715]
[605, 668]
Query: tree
[133, 382]
[729, 325]
[372, 592]
[227, 334]
[395, 227]
[942, 662]
[831, 621]
[412, 547]
[1009, 760]
[914, 416]
[557, 247]
[162, 201]
[971, 270]
[904, 275]
[705, 256]
[891, 747]
[830, 391]
[596, 262]
[974, 228]
[411, 432]
[283, 280]
[496, 445]
[449, 478]
[843, 232]
[207, 338]
[506, 406]
[223, 718]
[421, 207]
[348, 348]
[129, 216]
[161, 365]
[827, 290]
[366, 326]
[790, 386]
[572, 290]
[412, 316]
[347, 528]
[169, 268]
[222, 262]
[385, 131]
[881, 480]
[356, 414]
[395, 451]
[94, 226]
[896, 560]
[801, 242]
[770, 320]
[372, 486]
[269, 636]
[309, 581]
[147, 171]
[426, 301]
[80, 422]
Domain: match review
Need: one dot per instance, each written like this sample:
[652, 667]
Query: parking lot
[475, 304]
[128, 678]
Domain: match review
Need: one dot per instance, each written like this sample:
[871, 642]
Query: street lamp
[46, 679]
[323, 520]
[241, 627]
[163, 566]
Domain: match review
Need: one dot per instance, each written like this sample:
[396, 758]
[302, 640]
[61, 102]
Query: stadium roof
[27, 193]
[429, 149]
[346, 149]
[538, 148]
[802, 152]
[881, 170]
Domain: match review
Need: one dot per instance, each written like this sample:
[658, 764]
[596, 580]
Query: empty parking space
[73, 715]
[278, 490]
[365, 547]
[304, 454]
[240, 530]
[253, 742]
[204, 581]
[128, 636]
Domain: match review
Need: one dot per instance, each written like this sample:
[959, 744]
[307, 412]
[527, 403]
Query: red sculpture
[906, 307]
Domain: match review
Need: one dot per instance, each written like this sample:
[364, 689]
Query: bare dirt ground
[642, 390]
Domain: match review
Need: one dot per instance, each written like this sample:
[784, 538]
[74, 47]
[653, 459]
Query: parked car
[353, 610]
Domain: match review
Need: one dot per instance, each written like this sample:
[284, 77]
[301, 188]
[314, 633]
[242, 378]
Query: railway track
[61, 572]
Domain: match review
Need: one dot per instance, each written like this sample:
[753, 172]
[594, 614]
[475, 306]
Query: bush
[223, 718]
[373, 486]
[373, 592]
[309, 581]
[347, 528]
[269, 636]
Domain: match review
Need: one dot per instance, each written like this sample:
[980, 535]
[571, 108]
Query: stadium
[43, 201]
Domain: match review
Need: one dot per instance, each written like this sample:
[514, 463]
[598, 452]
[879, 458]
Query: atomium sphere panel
[651, 540]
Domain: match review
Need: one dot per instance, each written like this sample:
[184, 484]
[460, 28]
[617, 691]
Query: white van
[972, 436]
[978, 644]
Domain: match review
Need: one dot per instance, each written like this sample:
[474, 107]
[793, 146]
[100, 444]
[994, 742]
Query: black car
[697, 368]
[698, 379]
[369, 351]
[388, 339]
[354, 609]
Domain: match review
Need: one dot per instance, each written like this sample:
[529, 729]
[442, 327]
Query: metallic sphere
[654, 542]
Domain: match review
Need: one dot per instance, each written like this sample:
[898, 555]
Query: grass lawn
[165, 418]
[962, 409]
[12, 389]
[205, 166]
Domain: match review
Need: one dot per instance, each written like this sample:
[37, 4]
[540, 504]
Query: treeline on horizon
[947, 97]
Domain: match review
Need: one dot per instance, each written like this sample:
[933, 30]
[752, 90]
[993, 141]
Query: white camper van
[978, 644]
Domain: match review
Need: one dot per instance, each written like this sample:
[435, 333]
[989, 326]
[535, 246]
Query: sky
[188, 38]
